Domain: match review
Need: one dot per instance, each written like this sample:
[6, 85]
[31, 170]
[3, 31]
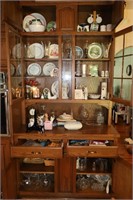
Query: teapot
[35, 22]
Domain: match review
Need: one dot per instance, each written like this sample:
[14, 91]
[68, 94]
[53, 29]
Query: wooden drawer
[92, 151]
[33, 152]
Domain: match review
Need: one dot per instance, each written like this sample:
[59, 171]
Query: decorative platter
[54, 88]
[34, 69]
[36, 50]
[47, 68]
[26, 22]
[78, 52]
[95, 51]
[12, 69]
[16, 51]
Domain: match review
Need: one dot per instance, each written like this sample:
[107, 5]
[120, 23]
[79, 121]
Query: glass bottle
[94, 25]
[100, 118]
[86, 49]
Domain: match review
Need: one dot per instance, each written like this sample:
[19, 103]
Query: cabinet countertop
[87, 132]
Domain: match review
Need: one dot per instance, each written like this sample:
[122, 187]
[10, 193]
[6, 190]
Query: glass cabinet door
[15, 69]
[67, 59]
[123, 67]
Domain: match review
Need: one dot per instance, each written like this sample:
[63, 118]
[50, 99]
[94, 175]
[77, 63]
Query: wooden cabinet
[122, 185]
[8, 169]
[69, 22]
[57, 92]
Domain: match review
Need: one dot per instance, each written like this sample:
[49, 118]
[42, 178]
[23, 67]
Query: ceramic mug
[86, 28]
[103, 28]
[79, 28]
[109, 27]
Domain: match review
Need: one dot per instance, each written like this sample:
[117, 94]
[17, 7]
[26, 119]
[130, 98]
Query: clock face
[32, 111]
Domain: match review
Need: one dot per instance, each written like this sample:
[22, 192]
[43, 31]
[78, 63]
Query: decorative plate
[36, 50]
[54, 88]
[34, 69]
[78, 52]
[19, 70]
[95, 51]
[16, 51]
[12, 69]
[53, 51]
[51, 26]
[47, 68]
[26, 21]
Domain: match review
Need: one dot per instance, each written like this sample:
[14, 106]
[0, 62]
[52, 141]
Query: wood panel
[66, 173]
[66, 18]
[8, 171]
[122, 180]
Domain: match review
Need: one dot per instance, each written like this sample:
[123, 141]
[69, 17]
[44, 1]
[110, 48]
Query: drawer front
[96, 151]
[34, 152]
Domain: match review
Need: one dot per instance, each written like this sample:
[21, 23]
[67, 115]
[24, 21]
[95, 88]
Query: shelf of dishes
[44, 49]
[36, 22]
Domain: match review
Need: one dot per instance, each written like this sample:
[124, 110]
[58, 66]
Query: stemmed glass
[67, 48]
[45, 180]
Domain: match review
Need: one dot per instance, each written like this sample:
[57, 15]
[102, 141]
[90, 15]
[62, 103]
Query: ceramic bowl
[36, 28]
[94, 96]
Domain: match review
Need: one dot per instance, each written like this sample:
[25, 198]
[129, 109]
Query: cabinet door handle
[91, 152]
[36, 153]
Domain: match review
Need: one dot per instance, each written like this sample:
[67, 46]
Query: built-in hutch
[54, 72]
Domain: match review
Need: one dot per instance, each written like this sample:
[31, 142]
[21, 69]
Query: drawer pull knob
[36, 153]
[92, 152]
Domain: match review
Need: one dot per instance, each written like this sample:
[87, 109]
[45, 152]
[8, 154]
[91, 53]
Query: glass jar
[100, 118]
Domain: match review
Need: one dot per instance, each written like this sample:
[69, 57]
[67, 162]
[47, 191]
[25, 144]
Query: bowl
[36, 28]
[94, 96]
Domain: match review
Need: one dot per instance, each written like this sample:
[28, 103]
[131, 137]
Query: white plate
[53, 51]
[95, 51]
[41, 17]
[19, 70]
[47, 68]
[26, 21]
[16, 51]
[36, 50]
[79, 52]
[12, 69]
[55, 89]
[34, 69]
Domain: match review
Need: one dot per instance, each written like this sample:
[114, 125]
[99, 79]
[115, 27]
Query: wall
[128, 16]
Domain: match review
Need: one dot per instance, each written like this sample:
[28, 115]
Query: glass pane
[118, 46]
[128, 44]
[118, 67]
[66, 67]
[127, 89]
[128, 67]
[15, 68]
[66, 79]
[14, 45]
[116, 87]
